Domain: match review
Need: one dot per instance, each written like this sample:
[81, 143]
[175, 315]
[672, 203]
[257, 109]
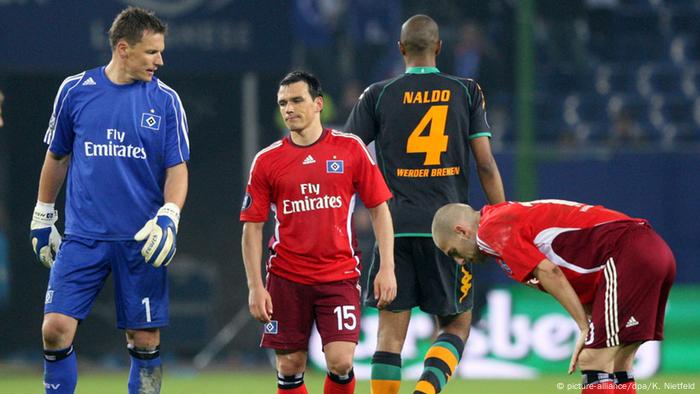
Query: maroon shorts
[334, 307]
[630, 301]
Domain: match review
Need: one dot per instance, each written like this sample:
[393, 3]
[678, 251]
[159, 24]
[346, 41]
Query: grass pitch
[243, 382]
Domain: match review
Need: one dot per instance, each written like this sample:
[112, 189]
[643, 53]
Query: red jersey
[577, 237]
[311, 191]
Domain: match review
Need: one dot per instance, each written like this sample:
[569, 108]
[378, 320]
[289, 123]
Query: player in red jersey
[309, 180]
[599, 264]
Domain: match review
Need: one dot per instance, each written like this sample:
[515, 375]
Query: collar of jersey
[103, 75]
[422, 70]
[323, 135]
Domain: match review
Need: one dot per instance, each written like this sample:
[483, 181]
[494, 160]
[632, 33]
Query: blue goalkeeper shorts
[79, 273]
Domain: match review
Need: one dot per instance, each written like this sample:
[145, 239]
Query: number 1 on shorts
[147, 302]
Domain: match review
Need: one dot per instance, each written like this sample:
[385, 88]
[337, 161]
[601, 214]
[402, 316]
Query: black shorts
[426, 278]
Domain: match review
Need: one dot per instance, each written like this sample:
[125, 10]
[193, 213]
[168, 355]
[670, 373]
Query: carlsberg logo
[536, 330]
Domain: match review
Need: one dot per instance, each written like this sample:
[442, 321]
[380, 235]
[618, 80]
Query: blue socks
[146, 371]
[60, 371]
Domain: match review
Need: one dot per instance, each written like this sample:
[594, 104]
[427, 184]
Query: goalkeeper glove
[43, 233]
[159, 234]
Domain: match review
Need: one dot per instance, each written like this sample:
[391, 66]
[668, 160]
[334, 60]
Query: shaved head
[449, 216]
[420, 35]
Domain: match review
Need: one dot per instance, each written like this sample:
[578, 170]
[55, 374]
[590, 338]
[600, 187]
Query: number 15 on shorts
[347, 318]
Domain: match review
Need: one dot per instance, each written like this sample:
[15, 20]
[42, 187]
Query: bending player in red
[596, 262]
[309, 180]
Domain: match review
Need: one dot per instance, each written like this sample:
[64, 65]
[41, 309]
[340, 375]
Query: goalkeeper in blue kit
[118, 138]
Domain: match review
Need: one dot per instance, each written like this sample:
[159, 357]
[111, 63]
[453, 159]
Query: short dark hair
[303, 76]
[420, 34]
[131, 23]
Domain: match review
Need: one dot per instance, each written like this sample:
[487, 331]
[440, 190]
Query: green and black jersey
[421, 123]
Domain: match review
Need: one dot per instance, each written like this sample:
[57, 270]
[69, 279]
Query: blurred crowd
[615, 73]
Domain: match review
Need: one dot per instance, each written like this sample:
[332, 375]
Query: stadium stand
[643, 70]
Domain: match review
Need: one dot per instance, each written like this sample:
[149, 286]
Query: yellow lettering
[412, 172]
[427, 96]
[446, 171]
[445, 95]
[418, 98]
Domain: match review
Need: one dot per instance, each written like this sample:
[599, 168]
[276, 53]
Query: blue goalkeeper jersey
[121, 139]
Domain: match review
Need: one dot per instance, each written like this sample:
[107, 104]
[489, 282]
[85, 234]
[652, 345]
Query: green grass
[176, 382]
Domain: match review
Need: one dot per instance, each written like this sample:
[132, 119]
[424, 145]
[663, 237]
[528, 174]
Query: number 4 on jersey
[435, 142]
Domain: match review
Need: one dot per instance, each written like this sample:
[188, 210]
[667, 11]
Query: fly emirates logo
[312, 201]
[114, 147]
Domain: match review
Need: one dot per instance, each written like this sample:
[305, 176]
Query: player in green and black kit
[424, 123]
